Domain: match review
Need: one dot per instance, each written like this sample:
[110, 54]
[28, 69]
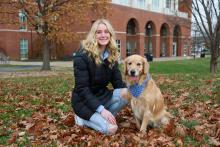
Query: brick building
[159, 27]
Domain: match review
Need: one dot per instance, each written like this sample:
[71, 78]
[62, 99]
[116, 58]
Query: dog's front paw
[143, 130]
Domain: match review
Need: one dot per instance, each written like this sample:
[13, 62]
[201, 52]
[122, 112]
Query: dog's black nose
[132, 73]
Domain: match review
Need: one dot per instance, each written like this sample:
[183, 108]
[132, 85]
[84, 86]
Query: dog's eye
[129, 63]
[138, 64]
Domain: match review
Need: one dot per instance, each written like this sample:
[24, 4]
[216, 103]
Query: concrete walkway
[70, 63]
[40, 63]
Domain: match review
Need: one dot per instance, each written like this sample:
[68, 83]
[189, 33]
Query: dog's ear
[146, 66]
[125, 67]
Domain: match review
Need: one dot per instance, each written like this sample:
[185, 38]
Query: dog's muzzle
[133, 73]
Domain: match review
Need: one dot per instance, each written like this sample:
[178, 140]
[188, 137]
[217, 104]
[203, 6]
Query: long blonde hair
[90, 44]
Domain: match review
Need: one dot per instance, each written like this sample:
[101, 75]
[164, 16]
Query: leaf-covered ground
[37, 111]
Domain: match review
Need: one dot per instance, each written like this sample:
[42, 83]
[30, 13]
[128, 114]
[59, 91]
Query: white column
[177, 4]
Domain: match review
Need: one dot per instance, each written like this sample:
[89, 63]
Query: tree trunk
[46, 55]
[213, 64]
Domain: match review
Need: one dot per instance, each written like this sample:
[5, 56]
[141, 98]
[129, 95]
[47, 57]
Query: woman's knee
[124, 93]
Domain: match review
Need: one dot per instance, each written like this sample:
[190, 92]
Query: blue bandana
[136, 89]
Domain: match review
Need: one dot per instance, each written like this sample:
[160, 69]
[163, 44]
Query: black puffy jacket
[91, 82]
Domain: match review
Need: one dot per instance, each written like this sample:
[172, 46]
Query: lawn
[37, 110]
[198, 66]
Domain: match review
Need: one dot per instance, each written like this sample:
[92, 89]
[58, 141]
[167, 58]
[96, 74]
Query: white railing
[148, 7]
[175, 12]
[182, 14]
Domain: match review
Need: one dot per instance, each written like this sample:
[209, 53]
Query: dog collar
[136, 89]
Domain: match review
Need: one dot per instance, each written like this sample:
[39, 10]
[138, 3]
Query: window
[141, 4]
[148, 48]
[128, 50]
[168, 3]
[149, 30]
[39, 22]
[122, 2]
[131, 27]
[23, 49]
[22, 20]
[118, 42]
[131, 48]
[155, 4]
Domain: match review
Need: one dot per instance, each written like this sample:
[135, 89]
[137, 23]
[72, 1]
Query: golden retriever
[147, 102]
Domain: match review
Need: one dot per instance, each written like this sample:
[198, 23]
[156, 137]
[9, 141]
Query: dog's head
[136, 69]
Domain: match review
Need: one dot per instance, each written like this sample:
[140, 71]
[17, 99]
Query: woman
[95, 66]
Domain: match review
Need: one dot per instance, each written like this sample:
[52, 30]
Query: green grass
[198, 66]
[22, 97]
[190, 123]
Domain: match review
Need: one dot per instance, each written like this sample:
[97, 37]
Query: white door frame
[174, 48]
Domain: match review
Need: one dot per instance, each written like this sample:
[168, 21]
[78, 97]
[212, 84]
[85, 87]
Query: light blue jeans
[97, 122]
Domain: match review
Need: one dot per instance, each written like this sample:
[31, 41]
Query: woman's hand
[108, 116]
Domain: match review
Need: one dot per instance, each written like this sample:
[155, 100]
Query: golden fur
[149, 106]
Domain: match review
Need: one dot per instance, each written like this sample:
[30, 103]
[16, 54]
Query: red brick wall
[119, 17]
[10, 42]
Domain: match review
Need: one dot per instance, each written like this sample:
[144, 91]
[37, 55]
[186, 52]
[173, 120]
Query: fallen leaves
[68, 120]
[38, 112]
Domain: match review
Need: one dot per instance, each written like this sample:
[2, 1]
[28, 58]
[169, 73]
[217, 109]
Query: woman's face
[102, 35]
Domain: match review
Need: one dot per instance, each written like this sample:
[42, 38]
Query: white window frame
[23, 49]
[155, 4]
[168, 4]
[121, 2]
[22, 20]
[118, 43]
[141, 4]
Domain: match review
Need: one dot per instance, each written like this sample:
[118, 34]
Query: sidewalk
[40, 63]
[70, 63]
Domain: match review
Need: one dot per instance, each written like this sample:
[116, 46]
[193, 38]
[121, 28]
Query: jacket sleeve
[82, 83]
[117, 78]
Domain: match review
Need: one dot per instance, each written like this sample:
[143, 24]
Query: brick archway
[149, 44]
[164, 40]
[132, 32]
[177, 33]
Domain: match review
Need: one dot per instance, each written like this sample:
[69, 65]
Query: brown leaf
[199, 128]
[181, 130]
[136, 138]
[69, 120]
[218, 130]
[125, 124]
[169, 128]
[12, 138]
[179, 142]
[214, 117]
[214, 141]
[21, 134]
[209, 102]
[53, 137]
[36, 129]
[29, 125]
[106, 142]
[218, 125]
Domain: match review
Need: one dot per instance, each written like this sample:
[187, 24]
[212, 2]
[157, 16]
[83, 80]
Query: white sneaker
[78, 120]
[112, 129]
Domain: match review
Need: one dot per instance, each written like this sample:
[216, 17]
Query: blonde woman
[95, 66]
